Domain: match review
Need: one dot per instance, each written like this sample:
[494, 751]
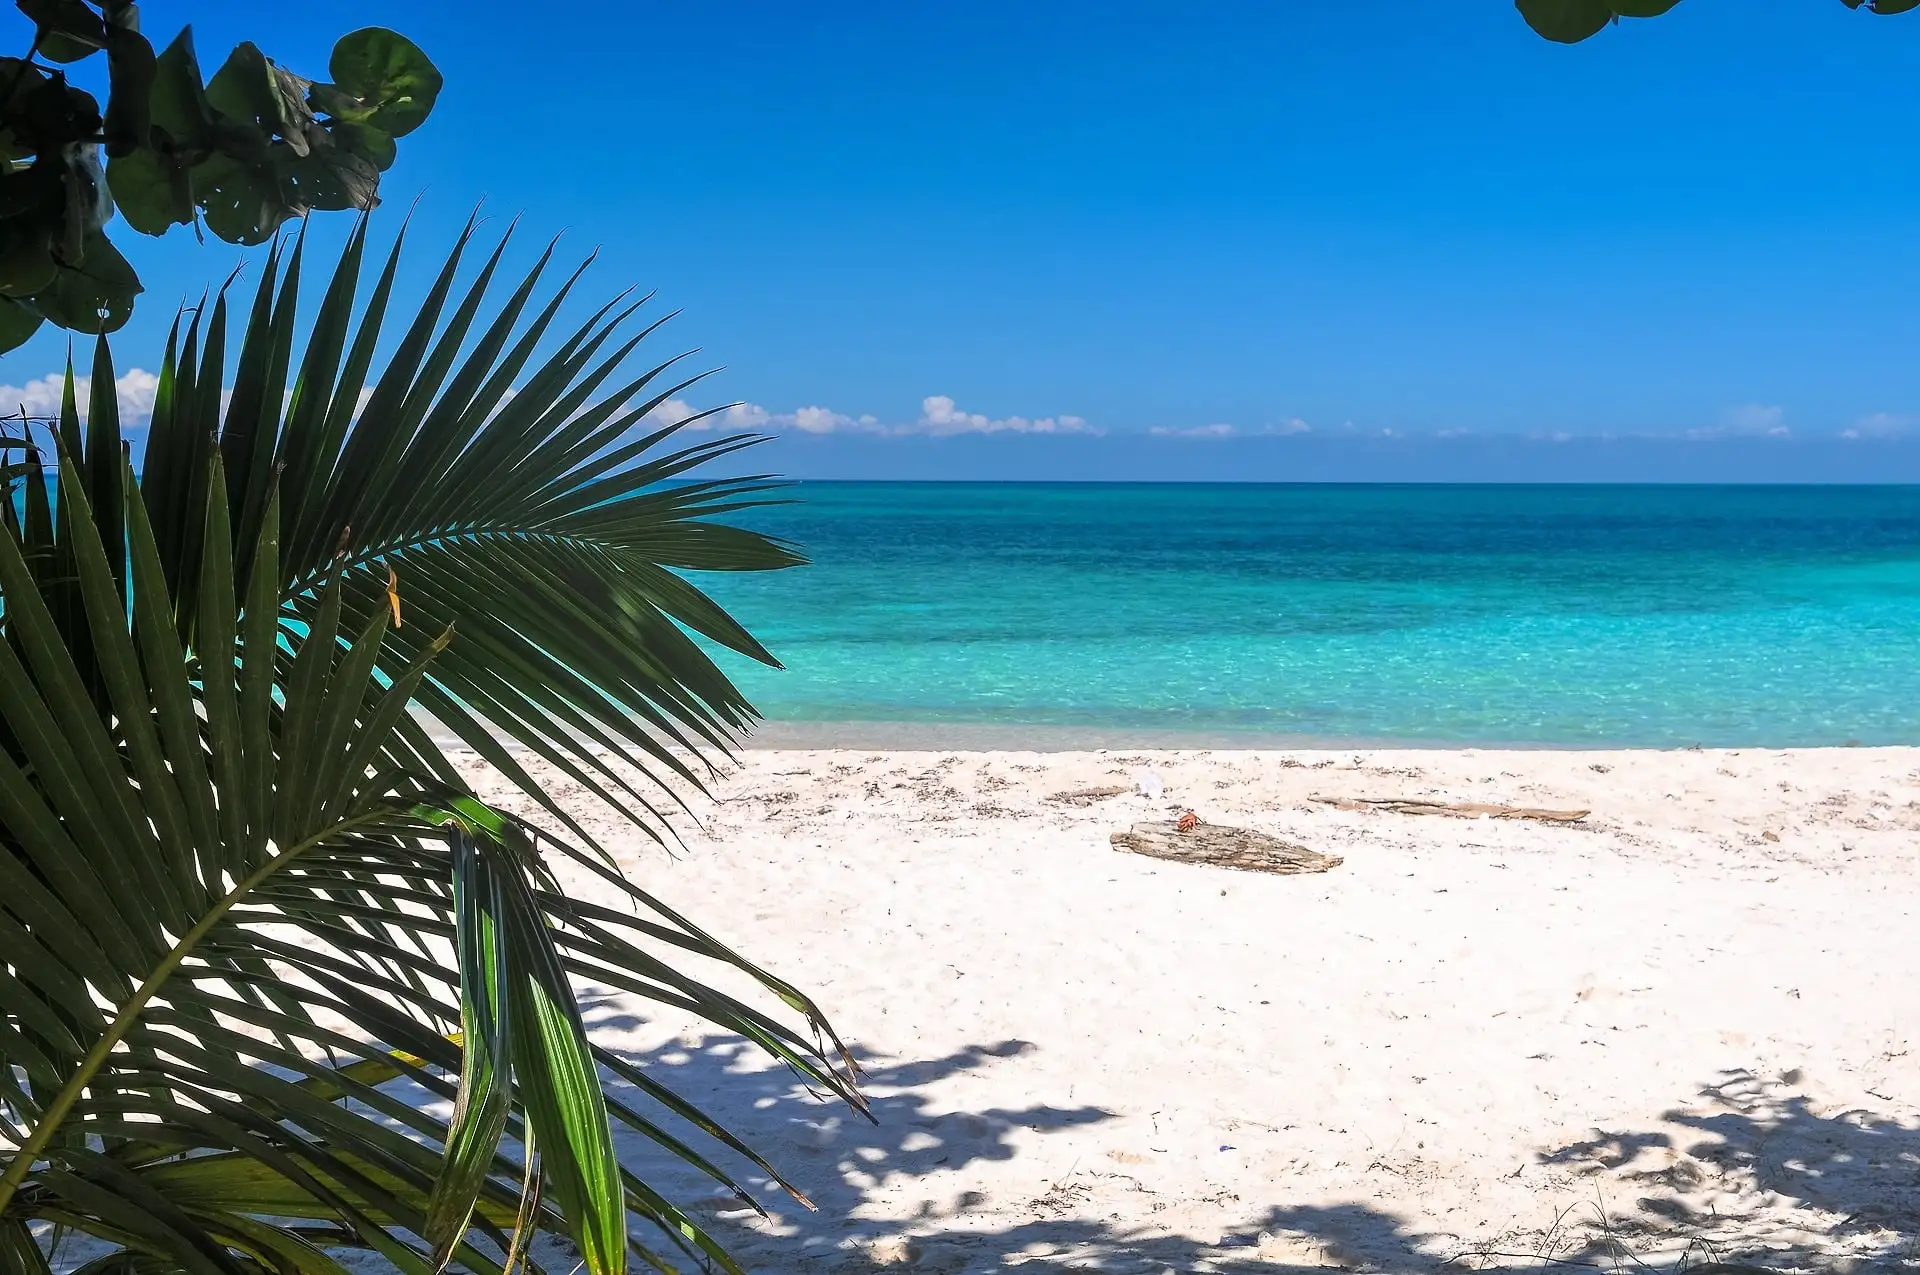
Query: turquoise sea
[1550, 615]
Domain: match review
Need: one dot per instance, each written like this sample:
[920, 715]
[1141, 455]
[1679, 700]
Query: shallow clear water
[1654, 615]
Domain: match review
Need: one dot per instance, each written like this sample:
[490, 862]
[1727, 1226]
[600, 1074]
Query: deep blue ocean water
[1658, 615]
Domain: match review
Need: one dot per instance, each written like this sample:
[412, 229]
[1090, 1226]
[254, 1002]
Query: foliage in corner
[1571, 21]
[239, 154]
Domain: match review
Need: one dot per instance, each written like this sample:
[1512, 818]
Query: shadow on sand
[842, 1162]
[1754, 1167]
[1750, 1172]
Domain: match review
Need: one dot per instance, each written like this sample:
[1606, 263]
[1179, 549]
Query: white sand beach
[1678, 1028]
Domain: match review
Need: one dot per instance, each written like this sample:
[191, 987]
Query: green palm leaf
[495, 463]
[242, 895]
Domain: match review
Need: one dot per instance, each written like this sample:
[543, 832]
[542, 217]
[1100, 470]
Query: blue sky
[1316, 239]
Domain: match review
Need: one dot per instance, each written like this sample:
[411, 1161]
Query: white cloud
[752, 416]
[940, 416]
[824, 420]
[41, 396]
[671, 412]
[1220, 430]
[1881, 425]
[1749, 420]
[135, 389]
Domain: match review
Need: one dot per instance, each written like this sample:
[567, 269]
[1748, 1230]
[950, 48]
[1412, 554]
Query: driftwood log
[1455, 809]
[1087, 796]
[1222, 847]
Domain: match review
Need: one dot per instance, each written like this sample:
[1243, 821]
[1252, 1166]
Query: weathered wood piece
[1087, 796]
[1222, 847]
[1453, 809]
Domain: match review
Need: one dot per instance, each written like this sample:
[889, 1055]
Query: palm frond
[241, 906]
[504, 469]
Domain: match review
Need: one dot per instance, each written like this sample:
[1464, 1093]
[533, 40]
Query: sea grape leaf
[249, 87]
[94, 294]
[152, 191]
[372, 144]
[17, 323]
[68, 29]
[1566, 21]
[380, 79]
[131, 68]
[333, 180]
[243, 86]
[26, 259]
[180, 105]
[54, 114]
[296, 117]
[240, 201]
[27, 189]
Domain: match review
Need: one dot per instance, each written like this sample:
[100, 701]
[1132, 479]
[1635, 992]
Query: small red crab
[1188, 822]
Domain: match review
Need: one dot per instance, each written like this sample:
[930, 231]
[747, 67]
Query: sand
[1676, 1030]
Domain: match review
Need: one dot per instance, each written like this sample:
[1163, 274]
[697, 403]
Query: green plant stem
[96, 1058]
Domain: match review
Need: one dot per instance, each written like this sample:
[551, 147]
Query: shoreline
[982, 737]
[1047, 739]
